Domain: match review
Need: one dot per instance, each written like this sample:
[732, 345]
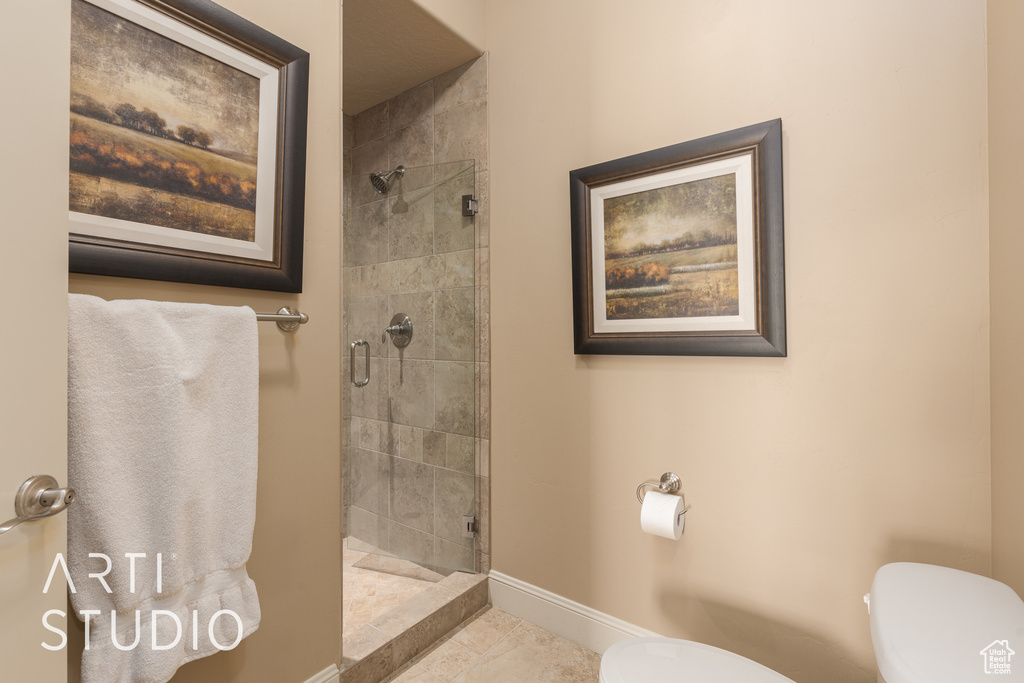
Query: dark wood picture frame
[124, 258]
[766, 328]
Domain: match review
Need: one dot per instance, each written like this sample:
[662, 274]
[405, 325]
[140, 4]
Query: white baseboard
[329, 675]
[593, 630]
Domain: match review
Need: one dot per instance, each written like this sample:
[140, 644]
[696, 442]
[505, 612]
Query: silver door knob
[40, 496]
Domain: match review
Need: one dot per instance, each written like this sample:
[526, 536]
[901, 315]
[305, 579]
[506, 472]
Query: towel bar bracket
[287, 318]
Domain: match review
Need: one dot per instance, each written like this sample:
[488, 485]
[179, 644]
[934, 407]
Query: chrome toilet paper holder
[670, 483]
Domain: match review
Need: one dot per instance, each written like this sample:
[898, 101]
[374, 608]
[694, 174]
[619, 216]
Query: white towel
[162, 446]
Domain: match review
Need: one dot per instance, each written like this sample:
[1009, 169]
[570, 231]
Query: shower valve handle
[400, 330]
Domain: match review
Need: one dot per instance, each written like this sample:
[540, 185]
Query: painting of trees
[187, 150]
[671, 252]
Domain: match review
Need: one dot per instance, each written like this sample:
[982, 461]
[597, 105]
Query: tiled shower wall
[416, 450]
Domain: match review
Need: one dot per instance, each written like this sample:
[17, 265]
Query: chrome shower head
[382, 181]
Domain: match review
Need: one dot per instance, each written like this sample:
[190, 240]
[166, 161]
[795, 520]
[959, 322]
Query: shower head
[382, 181]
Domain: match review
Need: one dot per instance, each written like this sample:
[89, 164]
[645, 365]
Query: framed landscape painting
[187, 145]
[679, 251]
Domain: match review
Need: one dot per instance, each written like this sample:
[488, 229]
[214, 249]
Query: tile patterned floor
[372, 585]
[495, 647]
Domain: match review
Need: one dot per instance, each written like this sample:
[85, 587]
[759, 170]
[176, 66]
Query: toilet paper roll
[661, 515]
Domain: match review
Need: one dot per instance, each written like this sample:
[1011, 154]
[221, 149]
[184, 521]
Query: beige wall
[296, 559]
[1006, 146]
[870, 442]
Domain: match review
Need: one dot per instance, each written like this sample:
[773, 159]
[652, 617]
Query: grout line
[500, 640]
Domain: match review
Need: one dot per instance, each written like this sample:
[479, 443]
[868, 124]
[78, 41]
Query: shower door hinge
[470, 206]
[468, 526]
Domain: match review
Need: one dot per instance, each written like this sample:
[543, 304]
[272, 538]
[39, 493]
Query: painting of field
[671, 252]
[159, 133]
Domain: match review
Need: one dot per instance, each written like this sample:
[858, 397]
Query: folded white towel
[162, 452]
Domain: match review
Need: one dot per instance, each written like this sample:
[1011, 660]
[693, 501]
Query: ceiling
[389, 46]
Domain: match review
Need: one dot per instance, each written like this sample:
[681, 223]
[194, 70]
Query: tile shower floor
[489, 647]
[374, 584]
[495, 647]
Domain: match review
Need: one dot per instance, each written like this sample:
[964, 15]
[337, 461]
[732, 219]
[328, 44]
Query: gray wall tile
[461, 84]
[411, 544]
[370, 124]
[461, 454]
[410, 147]
[411, 231]
[483, 326]
[483, 381]
[411, 392]
[369, 435]
[371, 400]
[453, 555]
[367, 527]
[454, 327]
[459, 269]
[381, 278]
[455, 497]
[411, 106]
[369, 474]
[452, 230]
[483, 217]
[365, 318]
[455, 397]
[483, 457]
[410, 443]
[366, 234]
[435, 448]
[461, 133]
[348, 133]
[388, 442]
[423, 274]
[367, 158]
[412, 494]
[483, 505]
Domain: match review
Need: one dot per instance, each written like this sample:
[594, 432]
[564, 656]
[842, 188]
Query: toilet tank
[933, 624]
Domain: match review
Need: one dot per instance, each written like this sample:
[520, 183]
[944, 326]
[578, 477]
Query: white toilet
[653, 660]
[929, 624]
[938, 625]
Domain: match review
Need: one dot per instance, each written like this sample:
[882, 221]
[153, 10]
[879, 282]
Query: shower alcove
[416, 435]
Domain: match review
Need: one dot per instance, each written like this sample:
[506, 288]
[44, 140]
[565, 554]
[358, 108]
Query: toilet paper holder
[670, 483]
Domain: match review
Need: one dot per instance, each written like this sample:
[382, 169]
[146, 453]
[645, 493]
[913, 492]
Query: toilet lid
[932, 624]
[653, 660]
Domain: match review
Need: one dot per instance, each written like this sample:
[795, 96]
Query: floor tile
[495, 647]
[484, 630]
[448, 660]
[491, 647]
[529, 654]
[416, 674]
[379, 585]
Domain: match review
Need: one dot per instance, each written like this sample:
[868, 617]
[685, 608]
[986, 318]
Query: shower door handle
[352, 362]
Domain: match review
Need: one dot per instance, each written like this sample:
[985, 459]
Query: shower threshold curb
[378, 649]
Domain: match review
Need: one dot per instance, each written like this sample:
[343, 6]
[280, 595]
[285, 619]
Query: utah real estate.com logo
[997, 657]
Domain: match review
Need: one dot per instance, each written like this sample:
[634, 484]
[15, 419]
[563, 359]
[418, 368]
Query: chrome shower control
[400, 330]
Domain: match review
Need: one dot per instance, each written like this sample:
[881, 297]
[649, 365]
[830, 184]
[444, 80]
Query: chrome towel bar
[287, 318]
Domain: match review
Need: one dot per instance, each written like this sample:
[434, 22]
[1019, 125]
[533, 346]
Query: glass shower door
[411, 339]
